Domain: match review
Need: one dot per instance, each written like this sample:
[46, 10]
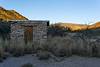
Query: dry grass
[10, 15]
[67, 46]
[57, 46]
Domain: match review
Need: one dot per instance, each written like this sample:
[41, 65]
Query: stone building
[25, 31]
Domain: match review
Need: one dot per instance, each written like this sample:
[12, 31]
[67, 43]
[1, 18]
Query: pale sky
[74, 11]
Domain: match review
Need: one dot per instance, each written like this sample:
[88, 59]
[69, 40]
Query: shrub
[16, 50]
[1, 54]
[60, 46]
[95, 48]
[43, 55]
[36, 46]
[29, 48]
[27, 65]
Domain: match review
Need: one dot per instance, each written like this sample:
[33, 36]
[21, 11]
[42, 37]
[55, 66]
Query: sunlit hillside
[75, 27]
[10, 15]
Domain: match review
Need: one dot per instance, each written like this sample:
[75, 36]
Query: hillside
[75, 27]
[10, 15]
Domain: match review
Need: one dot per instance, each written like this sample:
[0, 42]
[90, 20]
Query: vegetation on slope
[6, 15]
[77, 27]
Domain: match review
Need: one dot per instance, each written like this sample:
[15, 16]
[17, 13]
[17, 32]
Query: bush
[27, 65]
[1, 54]
[60, 46]
[95, 48]
[29, 48]
[17, 50]
[43, 55]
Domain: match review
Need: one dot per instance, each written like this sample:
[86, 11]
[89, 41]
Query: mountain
[94, 26]
[76, 27]
[71, 26]
[10, 15]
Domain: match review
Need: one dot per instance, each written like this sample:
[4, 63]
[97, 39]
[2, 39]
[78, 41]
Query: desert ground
[73, 61]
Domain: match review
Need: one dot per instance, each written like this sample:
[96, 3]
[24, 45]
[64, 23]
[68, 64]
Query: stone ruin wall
[39, 32]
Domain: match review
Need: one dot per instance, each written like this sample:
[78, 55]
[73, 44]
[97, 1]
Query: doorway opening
[28, 34]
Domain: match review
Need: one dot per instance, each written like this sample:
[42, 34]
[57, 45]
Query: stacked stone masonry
[39, 31]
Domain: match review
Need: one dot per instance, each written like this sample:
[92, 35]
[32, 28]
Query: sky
[71, 11]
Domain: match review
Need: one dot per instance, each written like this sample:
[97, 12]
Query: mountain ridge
[77, 27]
[7, 15]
